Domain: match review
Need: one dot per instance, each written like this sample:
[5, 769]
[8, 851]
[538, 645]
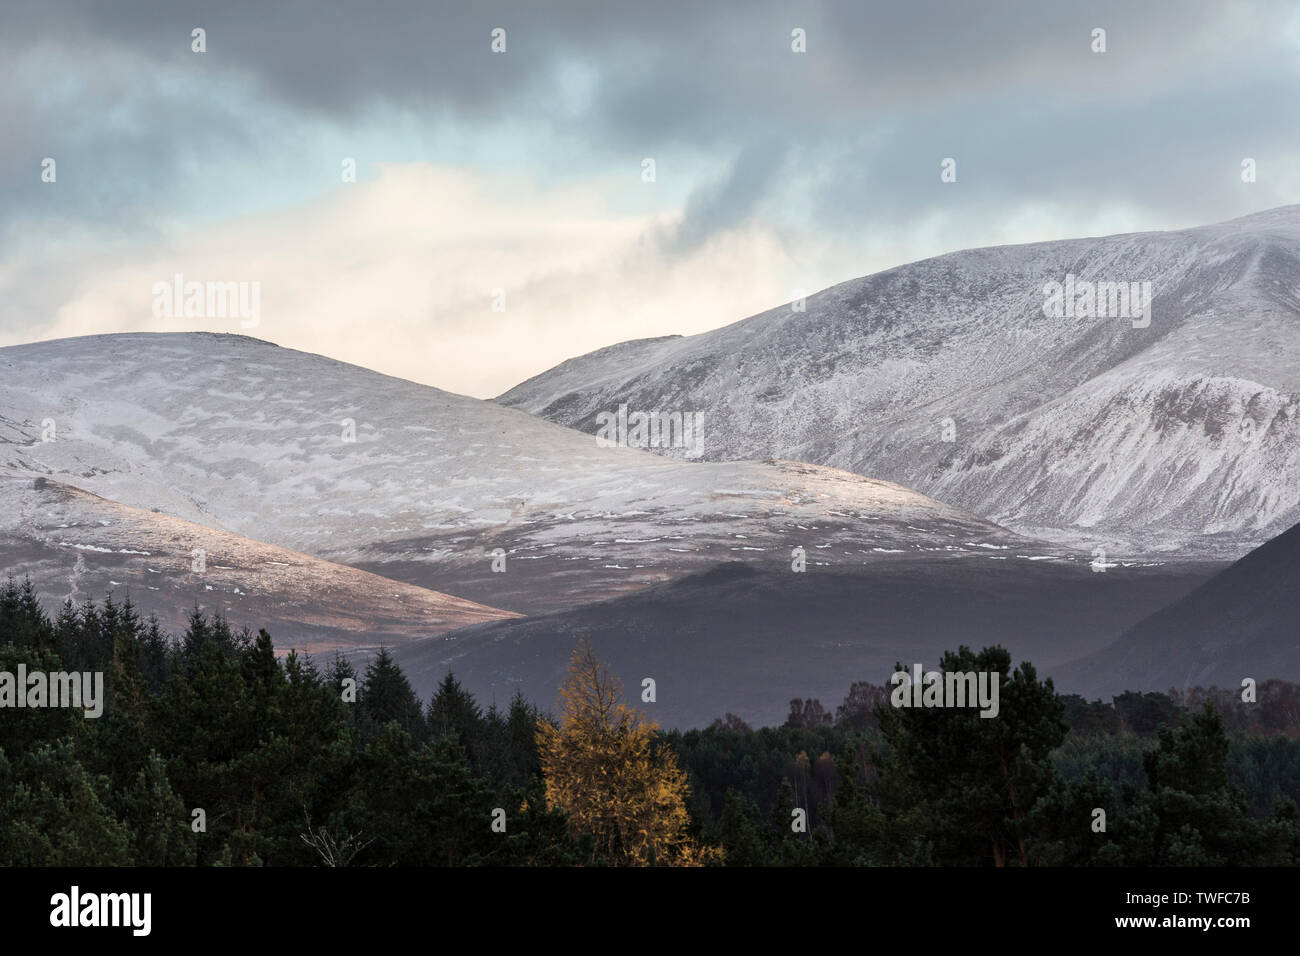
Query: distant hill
[746, 640]
[75, 545]
[1243, 622]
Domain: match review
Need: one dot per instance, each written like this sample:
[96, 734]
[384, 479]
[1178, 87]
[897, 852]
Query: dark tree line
[212, 750]
[1195, 778]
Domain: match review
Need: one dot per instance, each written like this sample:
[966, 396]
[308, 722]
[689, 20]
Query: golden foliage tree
[601, 765]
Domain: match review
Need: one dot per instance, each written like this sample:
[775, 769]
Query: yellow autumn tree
[601, 765]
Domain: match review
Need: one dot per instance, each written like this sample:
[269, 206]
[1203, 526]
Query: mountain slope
[1243, 622]
[747, 640]
[1181, 435]
[76, 545]
[247, 437]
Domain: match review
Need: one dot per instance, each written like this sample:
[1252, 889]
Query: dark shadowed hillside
[1243, 622]
[746, 640]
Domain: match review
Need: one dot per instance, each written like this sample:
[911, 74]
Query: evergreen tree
[23, 621]
[1190, 815]
[453, 714]
[977, 778]
[855, 822]
[63, 818]
[385, 695]
[420, 805]
[538, 834]
[157, 819]
[742, 833]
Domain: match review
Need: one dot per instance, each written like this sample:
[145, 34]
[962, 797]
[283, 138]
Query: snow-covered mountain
[77, 546]
[342, 463]
[947, 376]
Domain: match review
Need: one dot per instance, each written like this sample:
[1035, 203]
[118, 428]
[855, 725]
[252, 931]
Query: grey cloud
[884, 91]
[340, 56]
[725, 205]
[1177, 156]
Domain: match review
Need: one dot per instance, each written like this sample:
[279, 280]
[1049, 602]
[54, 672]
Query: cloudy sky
[501, 220]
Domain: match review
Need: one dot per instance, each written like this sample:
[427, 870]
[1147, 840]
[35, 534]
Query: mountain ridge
[1087, 431]
[421, 485]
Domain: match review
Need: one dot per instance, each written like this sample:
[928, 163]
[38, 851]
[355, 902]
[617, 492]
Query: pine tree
[1190, 814]
[157, 819]
[742, 834]
[63, 817]
[454, 714]
[22, 619]
[385, 695]
[970, 782]
[856, 824]
[521, 731]
[155, 652]
[420, 804]
[337, 677]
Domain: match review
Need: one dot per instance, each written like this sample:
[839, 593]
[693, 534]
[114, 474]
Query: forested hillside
[212, 750]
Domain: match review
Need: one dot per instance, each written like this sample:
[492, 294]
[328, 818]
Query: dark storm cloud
[884, 91]
[732, 56]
